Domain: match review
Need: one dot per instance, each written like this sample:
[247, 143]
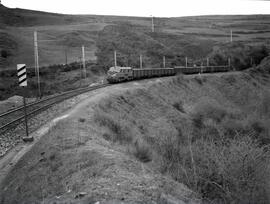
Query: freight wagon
[119, 74]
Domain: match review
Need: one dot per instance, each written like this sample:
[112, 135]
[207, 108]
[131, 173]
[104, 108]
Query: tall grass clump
[119, 132]
[208, 110]
[179, 106]
[141, 150]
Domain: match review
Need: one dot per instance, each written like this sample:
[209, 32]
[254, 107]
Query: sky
[158, 8]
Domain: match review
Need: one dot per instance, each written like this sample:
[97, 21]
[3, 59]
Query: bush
[259, 129]
[258, 53]
[226, 158]
[208, 109]
[199, 80]
[179, 106]
[242, 56]
[4, 53]
[142, 151]
[117, 128]
[234, 173]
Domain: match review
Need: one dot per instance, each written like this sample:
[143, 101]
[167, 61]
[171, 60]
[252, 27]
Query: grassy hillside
[210, 133]
[188, 36]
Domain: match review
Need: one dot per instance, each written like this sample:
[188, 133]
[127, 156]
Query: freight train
[120, 74]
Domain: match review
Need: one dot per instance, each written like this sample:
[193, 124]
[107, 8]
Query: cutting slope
[139, 141]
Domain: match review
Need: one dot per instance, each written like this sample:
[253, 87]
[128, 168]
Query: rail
[37, 106]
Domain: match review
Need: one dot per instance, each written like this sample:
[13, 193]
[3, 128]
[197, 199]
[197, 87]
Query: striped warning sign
[21, 69]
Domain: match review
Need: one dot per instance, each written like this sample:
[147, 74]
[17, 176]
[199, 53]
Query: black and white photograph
[135, 102]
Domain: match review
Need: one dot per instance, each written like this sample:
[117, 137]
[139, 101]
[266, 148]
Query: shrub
[179, 106]
[199, 80]
[257, 54]
[142, 151]
[234, 173]
[242, 56]
[260, 129]
[81, 120]
[4, 53]
[208, 109]
[232, 128]
[170, 149]
[107, 136]
[117, 128]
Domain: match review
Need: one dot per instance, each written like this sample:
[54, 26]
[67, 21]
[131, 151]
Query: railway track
[12, 118]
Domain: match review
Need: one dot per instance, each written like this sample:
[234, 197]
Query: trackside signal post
[21, 72]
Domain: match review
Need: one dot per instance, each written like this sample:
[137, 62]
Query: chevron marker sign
[21, 69]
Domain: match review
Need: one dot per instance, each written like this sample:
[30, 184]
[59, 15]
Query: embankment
[141, 141]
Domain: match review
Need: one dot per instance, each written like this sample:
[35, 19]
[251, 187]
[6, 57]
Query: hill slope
[62, 36]
[140, 141]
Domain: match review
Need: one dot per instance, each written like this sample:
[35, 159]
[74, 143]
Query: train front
[112, 74]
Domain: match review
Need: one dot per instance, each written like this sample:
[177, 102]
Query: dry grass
[179, 106]
[221, 150]
[235, 172]
[121, 134]
[141, 150]
[115, 126]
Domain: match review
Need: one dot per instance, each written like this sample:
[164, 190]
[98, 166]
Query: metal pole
[207, 62]
[153, 26]
[186, 62]
[66, 56]
[229, 62]
[35, 54]
[81, 71]
[83, 61]
[37, 63]
[231, 36]
[115, 60]
[25, 114]
[164, 62]
[141, 61]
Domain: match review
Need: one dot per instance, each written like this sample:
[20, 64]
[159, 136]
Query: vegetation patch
[142, 150]
[120, 133]
[219, 148]
[179, 106]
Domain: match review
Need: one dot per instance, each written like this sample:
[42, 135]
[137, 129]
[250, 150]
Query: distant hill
[61, 36]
